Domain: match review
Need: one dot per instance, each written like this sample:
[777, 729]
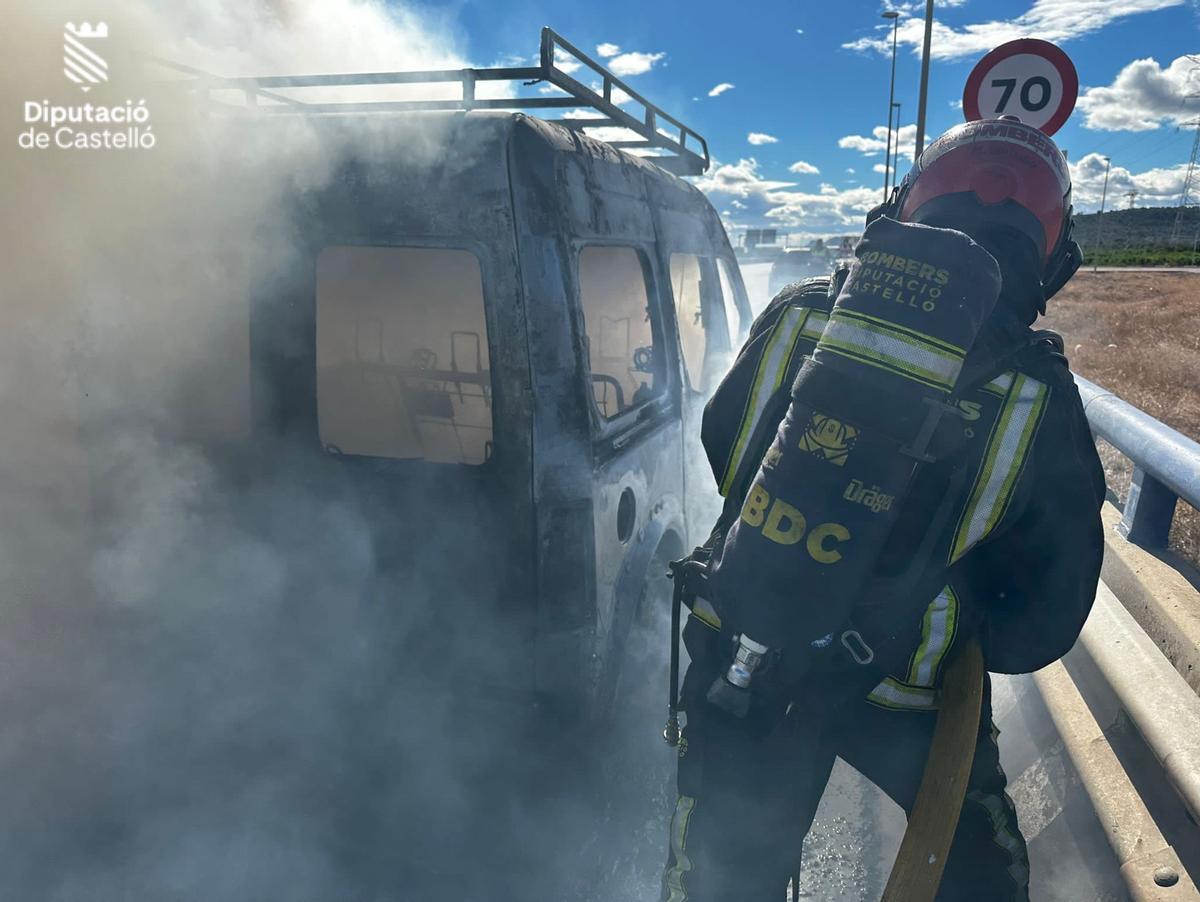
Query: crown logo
[85, 30]
[81, 63]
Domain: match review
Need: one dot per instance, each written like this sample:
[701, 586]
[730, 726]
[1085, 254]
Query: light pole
[1100, 218]
[887, 160]
[895, 167]
[887, 157]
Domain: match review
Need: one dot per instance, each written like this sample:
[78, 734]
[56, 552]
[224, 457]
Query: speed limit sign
[1028, 78]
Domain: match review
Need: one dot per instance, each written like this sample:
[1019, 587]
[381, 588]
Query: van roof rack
[654, 133]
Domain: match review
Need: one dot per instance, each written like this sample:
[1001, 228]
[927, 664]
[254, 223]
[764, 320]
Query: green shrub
[1140, 256]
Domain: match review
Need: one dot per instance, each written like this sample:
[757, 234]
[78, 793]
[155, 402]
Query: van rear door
[386, 357]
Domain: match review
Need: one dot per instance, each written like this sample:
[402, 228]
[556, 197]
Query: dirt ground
[1137, 334]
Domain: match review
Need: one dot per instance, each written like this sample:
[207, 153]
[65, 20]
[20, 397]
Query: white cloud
[904, 141]
[512, 60]
[760, 138]
[607, 50]
[1143, 96]
[741, 179]
[720, 89]
[564, 61]
[799, 31]
[617, 96]
[829, 209]
[634, 63]
[1155, 187]
[1050, 20]
[802, 168]
[956, 104]
[850, 170]
[880, 168]
[604, 132]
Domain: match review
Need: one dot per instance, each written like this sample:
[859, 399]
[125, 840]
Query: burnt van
[494, 343]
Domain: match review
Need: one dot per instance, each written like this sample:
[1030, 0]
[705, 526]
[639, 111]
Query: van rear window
[686, 282]
[734, 319]
[624, 351]
[402, 354]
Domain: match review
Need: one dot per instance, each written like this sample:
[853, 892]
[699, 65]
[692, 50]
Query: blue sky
[814, 77]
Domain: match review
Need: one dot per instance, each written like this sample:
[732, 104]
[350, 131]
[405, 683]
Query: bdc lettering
[783, 523]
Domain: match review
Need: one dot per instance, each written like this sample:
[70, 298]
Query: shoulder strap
[805, 293]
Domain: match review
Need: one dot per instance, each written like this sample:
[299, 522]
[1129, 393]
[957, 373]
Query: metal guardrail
[680, 149]
[1166, 464]
[1130, 656]
[1157, 699]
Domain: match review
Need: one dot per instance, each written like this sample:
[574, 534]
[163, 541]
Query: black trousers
[747, 796]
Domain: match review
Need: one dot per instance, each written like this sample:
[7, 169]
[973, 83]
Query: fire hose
[917, 870]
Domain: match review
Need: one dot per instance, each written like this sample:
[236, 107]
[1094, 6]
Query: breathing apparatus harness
[886, 371]
[844, 649]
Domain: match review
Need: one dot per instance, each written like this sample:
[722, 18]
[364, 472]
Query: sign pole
[924, 80]
[888, 163]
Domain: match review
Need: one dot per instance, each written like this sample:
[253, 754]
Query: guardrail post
[1148, 511]
[468, 88]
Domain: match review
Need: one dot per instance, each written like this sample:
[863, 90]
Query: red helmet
[997, 174]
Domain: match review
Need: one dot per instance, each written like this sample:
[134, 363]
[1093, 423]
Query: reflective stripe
[891, 693]
[680, 862]
[892, 348]
[1000, 385]
[772, 367]
[814, 324]
[1003, 458]
[937, 634]
[918, 690]
[706, 614]
[890, 326]
[1018, 863]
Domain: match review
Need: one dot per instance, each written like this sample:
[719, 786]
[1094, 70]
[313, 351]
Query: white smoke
[191, 709]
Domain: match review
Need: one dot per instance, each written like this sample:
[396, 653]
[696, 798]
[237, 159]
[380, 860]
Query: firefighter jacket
[999, 535]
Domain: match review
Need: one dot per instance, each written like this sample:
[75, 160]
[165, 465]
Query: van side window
[625, 360]
[402, 354]
[685, 286]
[731, 311]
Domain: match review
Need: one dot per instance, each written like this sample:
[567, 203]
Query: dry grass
[1138, 335]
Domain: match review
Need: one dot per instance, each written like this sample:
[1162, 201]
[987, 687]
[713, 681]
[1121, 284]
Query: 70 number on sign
[1028, 105]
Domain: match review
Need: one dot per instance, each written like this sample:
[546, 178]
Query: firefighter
[993, 523]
